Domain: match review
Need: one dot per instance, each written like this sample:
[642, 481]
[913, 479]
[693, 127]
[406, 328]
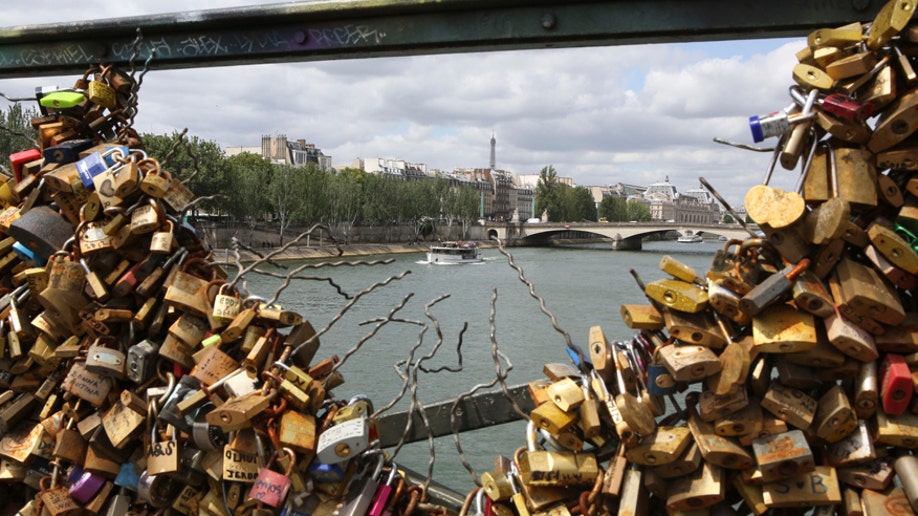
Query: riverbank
[328, 251]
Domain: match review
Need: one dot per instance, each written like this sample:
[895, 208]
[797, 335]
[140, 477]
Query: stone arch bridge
[624, 235]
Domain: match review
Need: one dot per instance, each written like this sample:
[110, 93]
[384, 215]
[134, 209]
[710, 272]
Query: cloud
[601, 115]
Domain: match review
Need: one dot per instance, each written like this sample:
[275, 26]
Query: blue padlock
[127, 477]
[326, 473]
[659, 380]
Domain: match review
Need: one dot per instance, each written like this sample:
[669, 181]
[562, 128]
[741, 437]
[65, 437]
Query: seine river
[583, 287]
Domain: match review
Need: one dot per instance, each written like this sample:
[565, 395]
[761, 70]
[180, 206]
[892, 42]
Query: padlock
[155, 181]
[688, 363]
[163, 455]
[810, 295]
[790, 405]
[782, 329]
[727, 303]
[834, 419]
[559, 469]
[678, 295]
[730, 270]
[735, 363]
[343, 441]
[875, 475]
[746, 421]
[896, 384]
[783, 455]
[163, 239]
[772, 288]
[297, 431]
[227, 304]
[698, 328]
[716, 449]
[145, 217]
[661, 447]
[891, 19]
[818, 487]
[712, 407]
[57, 501]
[271, 487]
[896, 249]
[362, 489]
[856, 447]
[84, 485]
[105, 361]
[101, 93]
[703, 488]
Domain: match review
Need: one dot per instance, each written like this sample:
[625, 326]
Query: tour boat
[454, 252]
[690, 239]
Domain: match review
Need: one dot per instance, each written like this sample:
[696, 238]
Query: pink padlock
[271, 487]
[84, 485]
[382, 495]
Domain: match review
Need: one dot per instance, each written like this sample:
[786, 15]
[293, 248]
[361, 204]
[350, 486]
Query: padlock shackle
[531, 436]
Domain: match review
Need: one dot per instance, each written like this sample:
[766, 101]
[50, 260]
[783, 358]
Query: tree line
[249, 189]
[564, 203]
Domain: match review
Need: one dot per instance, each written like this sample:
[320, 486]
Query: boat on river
[454, 252]
[689, 239]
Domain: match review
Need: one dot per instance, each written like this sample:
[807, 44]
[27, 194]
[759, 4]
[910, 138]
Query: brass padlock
[856, 447]
[790, 405]
[746, 421]
[818, 487]
[560, 469]
[834, 419]
[783, 455]
[782, 329]
[716, 449]
[661, 447]
[703, 488]
[698, 328]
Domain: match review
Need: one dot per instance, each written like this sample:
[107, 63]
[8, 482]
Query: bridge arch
[624, 235]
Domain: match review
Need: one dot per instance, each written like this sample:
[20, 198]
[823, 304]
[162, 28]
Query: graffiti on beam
[346, 35]
[261, 41]
[47, 55]
[204, 44]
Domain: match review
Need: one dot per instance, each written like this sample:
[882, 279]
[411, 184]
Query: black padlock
[42, 230]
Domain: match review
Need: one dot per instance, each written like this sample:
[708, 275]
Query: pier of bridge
[624, 235]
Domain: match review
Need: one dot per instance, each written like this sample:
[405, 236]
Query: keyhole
[899, 127]
[342, 450]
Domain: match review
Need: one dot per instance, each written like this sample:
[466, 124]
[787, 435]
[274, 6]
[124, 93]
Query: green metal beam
[327, 30]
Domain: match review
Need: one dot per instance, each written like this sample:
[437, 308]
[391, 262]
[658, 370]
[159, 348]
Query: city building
[280, 151]
[695, 206]
[393, 167]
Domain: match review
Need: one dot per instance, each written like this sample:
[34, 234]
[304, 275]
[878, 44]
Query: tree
[638, 211]
[199, 162]
[346, 198]
[312, 205]
[547, 195]
[284, 194]
[249, 174]
[614, 209]
[728, 219]
[382, 201]
[578, 204]
[16, 132]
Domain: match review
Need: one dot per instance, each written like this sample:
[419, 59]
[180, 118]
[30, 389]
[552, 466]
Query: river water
[582, 286]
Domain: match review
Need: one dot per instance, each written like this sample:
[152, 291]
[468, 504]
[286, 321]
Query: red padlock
[896, 390]
[271, 487]
[18, 159]
[847, 108]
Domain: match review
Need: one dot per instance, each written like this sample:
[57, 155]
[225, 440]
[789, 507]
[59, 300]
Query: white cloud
[600, 114]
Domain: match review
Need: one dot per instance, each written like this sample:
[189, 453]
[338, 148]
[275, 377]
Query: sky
[600, 115]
